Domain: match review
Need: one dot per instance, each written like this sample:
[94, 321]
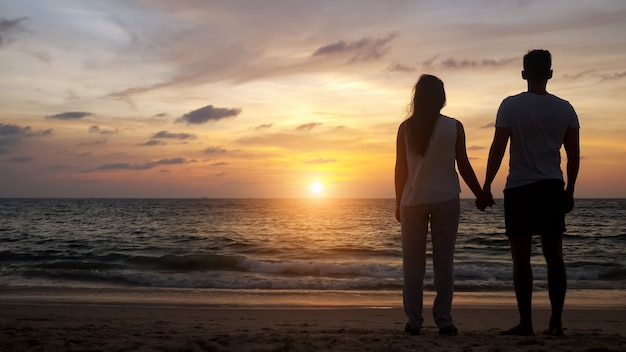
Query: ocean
[229, 251]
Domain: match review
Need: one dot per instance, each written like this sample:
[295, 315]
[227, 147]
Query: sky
[263, 99]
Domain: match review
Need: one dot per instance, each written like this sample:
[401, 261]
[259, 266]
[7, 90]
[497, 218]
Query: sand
[102, 326]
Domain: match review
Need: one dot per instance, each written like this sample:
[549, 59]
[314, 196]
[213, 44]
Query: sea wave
[241, 272]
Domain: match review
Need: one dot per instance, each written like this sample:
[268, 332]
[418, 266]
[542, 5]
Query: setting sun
[317, 187]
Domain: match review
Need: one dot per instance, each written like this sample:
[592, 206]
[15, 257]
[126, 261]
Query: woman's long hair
[428, 99]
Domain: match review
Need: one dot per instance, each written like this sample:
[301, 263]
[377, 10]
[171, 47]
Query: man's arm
[401, 170]
[571, 143]
[496, 153]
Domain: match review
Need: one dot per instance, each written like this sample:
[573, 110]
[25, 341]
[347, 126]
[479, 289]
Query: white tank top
[432, 178]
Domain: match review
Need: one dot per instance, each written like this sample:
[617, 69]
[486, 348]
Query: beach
[52, 324]
[283, 275]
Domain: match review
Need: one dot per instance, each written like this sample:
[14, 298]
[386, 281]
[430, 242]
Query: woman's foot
[519, 330]
[450, 330]
[411, 330]
[553, 331]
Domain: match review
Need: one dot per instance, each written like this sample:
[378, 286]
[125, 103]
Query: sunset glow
[317, 188]
[144, 99]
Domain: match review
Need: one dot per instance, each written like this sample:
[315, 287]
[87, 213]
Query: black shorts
[536, 208]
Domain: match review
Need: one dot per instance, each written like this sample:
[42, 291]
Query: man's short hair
[537, 65]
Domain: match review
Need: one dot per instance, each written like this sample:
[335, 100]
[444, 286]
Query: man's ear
[524, 76]
[550, 74]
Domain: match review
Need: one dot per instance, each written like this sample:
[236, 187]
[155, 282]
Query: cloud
[613, 76]
[8, 26]
[214, 150]
[12, 135]
[21, 159]
[264, 126]
[579, 75]
[401, 68]
[98, 142]
[12, 130]
[223, 163]
[168, 135]
[459, 64]
[97, 129]
[152, 142]
[208, 113]
[9, 130]
[320, 161]
[144, 166]
[489, 125]
[70, 115]
[593, 73]
[365, 49]
[308, 126]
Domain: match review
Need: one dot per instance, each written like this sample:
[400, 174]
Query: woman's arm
[401, 170]
[465, 167]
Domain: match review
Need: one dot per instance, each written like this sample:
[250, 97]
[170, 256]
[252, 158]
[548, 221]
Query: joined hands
[484, 200]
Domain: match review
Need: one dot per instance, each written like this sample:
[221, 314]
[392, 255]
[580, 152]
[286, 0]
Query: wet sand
[98, 326]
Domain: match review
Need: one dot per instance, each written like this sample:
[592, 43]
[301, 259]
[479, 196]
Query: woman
[427, 191]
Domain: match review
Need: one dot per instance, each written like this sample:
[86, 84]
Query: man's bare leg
[523, 283]
[557, 280]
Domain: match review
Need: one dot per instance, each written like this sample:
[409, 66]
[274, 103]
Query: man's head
[537, 65]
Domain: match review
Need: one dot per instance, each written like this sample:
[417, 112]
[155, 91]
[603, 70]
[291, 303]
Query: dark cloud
[9, 130]
[613, 76]
[366, 49]
[401, 68]
[21, 159]
[70, 115]
[42, 133]
[98, 142]
[264, 126]
[320, 161]
[489, 125]
[220, 164]
[208, 113]
[97, 129]
[308, 126]
[144, 166]
[593, 73]
[459, 64]
[579, 75]
[152, 142]
[12, 135]
[214, 150]
[168, 135]
[8, 26]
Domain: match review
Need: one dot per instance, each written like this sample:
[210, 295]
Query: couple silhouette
[431, 146]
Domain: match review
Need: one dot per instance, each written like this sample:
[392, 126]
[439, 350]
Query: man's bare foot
[518, 330]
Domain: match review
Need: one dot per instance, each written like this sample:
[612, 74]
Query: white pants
[444, 223]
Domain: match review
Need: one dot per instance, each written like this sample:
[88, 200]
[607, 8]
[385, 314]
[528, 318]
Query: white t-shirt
[538, 124]
[432, 178]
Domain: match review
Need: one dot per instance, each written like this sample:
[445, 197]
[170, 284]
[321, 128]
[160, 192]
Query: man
[538, 124]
